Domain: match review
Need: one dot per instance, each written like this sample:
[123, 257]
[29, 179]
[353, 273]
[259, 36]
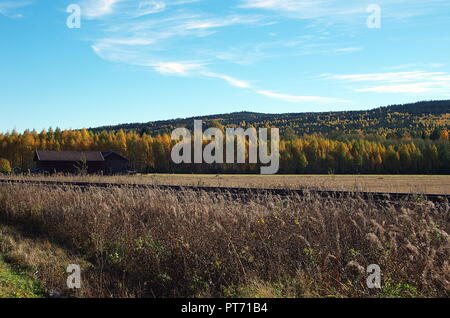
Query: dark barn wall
[116, 164]
[67, 162]
[70, 166]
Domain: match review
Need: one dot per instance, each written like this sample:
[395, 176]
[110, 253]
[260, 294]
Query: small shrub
[5, 166]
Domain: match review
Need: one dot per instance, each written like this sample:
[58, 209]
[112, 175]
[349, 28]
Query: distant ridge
[410, 118]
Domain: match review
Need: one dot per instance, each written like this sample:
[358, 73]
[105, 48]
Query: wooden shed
[115, 163]
[96, 162]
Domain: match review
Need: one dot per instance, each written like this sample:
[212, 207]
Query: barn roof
[50, 155]
[106, 154]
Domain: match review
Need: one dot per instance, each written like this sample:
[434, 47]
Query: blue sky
[139, 61]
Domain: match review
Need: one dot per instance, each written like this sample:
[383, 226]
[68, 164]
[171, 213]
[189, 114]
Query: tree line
[419, 120]
[315, 153]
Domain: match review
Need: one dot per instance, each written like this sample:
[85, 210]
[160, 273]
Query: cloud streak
[150, 7]
[8, 8]
[338, 10]
[415, 82]
[94, 9]
[145, 36]
[301, 99]
[176, 68]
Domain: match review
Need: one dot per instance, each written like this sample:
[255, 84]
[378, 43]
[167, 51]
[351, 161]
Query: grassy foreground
[159, 243]
[14, 284]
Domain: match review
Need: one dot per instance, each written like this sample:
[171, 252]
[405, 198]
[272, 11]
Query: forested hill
[418, 120]
[406, 139]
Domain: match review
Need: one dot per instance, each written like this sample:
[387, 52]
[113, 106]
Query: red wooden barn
[96, 162]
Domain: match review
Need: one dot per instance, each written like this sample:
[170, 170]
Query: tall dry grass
[158, 243]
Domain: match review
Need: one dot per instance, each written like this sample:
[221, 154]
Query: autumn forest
[406, 139]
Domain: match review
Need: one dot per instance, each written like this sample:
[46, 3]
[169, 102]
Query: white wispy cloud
[334, 10]
[141, 40]
[283, 97]
[308, 9]
[346, 50]
[9, 8]
[124, 51]
[127, 41]
[176, 68]
[150, 7]
[244, 55]
[93, 9]
[230, 80]
[403, 88]
[219, 22]
[301, 99]
[395, 77]
[415, 65]
[184, 24]
[400, 82]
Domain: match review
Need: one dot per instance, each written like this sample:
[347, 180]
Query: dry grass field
[429, 184]
[161, 243]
